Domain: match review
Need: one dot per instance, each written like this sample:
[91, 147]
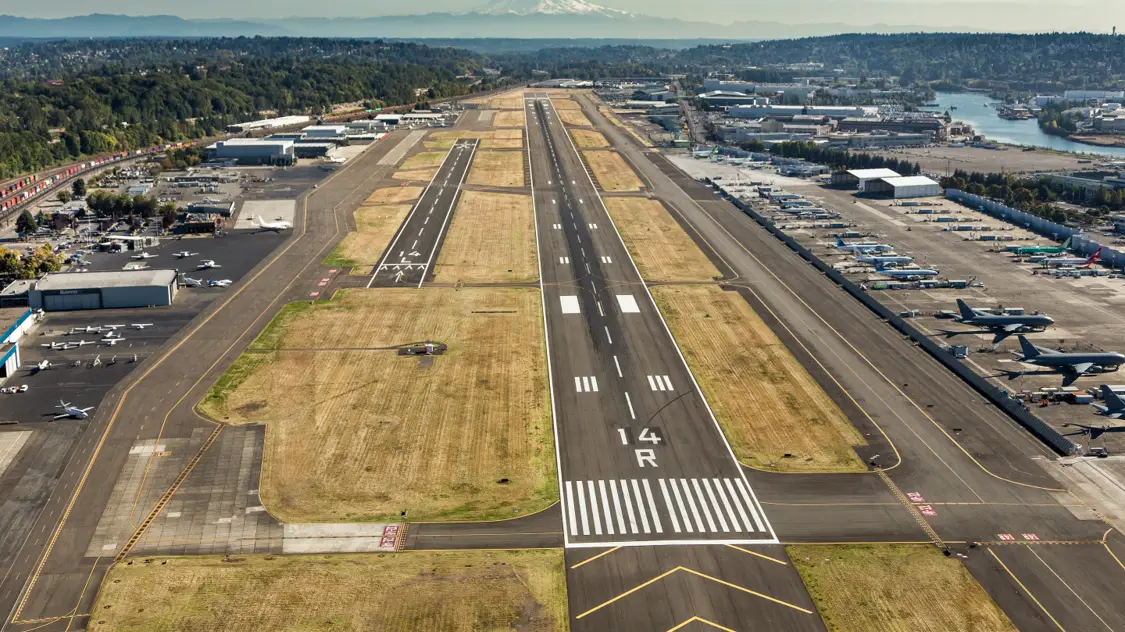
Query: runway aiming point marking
[915, 497]
[628, 304]
[927, 510]
[569, 304]
[1006, 537]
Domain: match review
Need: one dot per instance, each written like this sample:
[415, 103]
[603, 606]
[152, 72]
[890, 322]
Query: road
[52, 582]
[409, 258]
[643, 464]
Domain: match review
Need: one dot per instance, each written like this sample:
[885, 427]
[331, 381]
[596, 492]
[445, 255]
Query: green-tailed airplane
[1042, 250]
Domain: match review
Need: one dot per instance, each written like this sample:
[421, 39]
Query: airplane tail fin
[1094, 258]
[1066, 244]
[840, 242]
[966, 311]
[1029, 350]
[258, 220]
[1113, 401]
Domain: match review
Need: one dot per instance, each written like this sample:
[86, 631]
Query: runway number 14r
[646, 457]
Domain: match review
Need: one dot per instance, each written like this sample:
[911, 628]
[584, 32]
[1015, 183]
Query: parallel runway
[651, 494]
[409, 258]
[51, 583]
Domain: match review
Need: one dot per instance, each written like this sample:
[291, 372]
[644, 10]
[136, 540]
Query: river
[972, 108]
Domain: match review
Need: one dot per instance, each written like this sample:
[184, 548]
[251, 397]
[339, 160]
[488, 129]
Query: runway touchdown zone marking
[660, 383]
[628, 304]
[586, 384]
[569, 304]
[664, 506]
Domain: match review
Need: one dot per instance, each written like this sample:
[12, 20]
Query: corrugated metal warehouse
[906, 187]
[104, 290]
[858, 178]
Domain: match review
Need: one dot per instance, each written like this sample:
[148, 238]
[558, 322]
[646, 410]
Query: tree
[64, 196]
[79, 188]
[25, 223]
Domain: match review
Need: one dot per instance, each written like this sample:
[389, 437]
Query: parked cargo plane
[1114, 406]
[1003, 325]
[1071, 365]
[885, 260]
[862, 248]
[908, 274]
[1074, 261]
[73, 412]
[1041, 250]
[274, 226]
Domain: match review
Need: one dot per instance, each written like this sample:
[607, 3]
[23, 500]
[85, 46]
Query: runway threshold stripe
[595, 514]
[617, 506]
[704, 505]
[668, 503]
[726, 505]
[749, 504]
[651, 383]
[652, 508]
[629, 507]
[640, 505]
[582, 508]
[605, 507]
[570, 509]
[691, 503]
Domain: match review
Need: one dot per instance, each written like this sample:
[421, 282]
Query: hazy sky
[1015, 15]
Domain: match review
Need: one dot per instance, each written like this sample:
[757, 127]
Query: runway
[410, 255]
[646, 476]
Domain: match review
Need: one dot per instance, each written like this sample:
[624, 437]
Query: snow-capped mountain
[549, 7]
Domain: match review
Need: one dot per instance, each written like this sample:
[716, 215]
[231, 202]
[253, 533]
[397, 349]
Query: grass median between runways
[375, 226]
[490, 240]
[611, 171]
[588, 139]
[895, 588]
[661, 248]
[509, 118]
[765, 401]
[355, 432]
[573, 117]
[564, 103]
[394, 195]
[462, 591]
[510, 138]
[496, 169]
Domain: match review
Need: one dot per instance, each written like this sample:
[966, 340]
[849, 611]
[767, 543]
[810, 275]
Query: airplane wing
[1013, 328]
[62, 415]
[1081, 368]
[1070, 374]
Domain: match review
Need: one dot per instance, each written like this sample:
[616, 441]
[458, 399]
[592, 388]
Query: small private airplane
[207, 264]
[144, 255]
[139, 326]
[220, 283]
[183, 254]
[109, 342]
[274, 226]
[40, 366]
[73, 412]
[190, 282]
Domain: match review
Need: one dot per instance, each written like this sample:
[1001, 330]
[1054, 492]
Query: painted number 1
[651, 436]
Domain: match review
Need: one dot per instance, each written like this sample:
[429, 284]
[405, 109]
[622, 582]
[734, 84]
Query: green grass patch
[214, 404]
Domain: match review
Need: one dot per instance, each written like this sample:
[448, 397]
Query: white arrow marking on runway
[398, 276]
[415, 253]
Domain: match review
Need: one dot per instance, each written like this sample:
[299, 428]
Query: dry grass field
[375, 226]
[415, 175]
[574, 117]
[588, 139]
[895, 588]
[611, 171]
[424, 160]
[356, 432]
[505, 102]
[463, 591]
[509, 118]
[766, 402]
[564, 103]
[609, 115]
[497, 169]
[394, 195]
[661, 248]
[489, 139]
[491, 240]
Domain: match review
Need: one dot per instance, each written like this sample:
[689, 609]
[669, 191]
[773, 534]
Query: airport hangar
[104, 290]
[14, 321]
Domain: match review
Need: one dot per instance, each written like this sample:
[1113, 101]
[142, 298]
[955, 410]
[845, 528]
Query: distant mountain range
[497, 19]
